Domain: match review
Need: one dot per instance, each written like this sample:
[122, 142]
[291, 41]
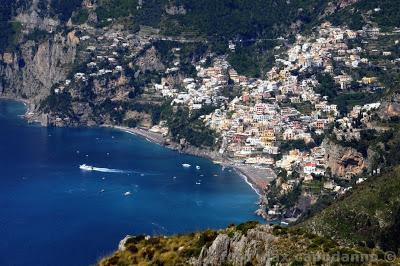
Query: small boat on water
[86, 167]
[186, 165]
[198, 183]
[128, 193]
[197, 167]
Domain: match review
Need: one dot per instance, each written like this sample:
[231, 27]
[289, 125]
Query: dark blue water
[53, 213]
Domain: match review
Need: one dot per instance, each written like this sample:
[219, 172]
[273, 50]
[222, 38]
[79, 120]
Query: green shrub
[80, 17]
[244, 227]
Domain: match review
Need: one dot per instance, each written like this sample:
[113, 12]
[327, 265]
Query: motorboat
[86, 167]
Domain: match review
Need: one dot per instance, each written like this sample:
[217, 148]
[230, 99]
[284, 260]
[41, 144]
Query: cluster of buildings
[275, 121]
[272, 112]
[204, 89]
[107, 54]
[271, 123]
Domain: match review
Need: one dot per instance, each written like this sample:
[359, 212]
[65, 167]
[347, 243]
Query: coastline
[25, 102]
[9, 98]
[254, 177]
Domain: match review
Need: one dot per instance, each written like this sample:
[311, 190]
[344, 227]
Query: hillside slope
[370, 214]
[245, 244]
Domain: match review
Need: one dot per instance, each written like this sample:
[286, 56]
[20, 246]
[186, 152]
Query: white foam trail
[85, 167]
[129, 132]
[108, 170]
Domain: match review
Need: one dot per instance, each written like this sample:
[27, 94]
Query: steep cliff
[42, 56]
[390, 107]
[31, 71]
[344, 161]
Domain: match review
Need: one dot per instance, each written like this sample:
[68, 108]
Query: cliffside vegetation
[244, 244]
[252, 25]
[9, 29]
[384, 13]
[63, 9]
[369, 215]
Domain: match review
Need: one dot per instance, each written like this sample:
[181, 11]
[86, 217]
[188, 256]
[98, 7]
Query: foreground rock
[246, 244]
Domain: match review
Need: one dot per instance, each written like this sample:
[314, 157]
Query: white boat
[102, 190]
[86, 167]
[186, 165]
[197, 167]
[128, 193]
[198, 183]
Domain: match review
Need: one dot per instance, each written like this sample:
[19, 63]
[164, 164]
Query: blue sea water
[53, 213]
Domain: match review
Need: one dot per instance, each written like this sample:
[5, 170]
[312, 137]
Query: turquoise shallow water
[53, 213]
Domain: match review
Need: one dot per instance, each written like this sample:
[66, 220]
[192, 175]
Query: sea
[54, 213]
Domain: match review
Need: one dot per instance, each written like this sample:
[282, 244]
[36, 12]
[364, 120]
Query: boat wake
[86, 167]
[100, 169]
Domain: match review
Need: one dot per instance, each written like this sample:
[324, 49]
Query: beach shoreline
[253, 176]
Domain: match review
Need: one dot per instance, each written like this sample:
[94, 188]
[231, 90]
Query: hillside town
[272, 125]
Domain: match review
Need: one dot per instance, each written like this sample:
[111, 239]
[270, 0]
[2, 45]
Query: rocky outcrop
[390, 107]
[123, 242]
[150, 61]
[257, 245]
[32, 20]
[34, 68]
[175, 10]
[343, 161]
[42, 56]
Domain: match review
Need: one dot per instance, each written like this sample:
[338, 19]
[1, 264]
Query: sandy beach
[148, 135]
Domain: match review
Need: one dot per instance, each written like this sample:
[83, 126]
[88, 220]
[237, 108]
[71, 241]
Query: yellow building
[369, 80]
[268, 136]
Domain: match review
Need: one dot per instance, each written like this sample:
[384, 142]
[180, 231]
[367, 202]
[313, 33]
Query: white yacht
[86, 167]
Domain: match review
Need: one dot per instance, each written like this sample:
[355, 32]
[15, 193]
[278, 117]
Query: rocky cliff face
[257, 245]
[244, 244]
[344, 161]
[390, 108]
[37, 63]
[150, 61]
[35, 67]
